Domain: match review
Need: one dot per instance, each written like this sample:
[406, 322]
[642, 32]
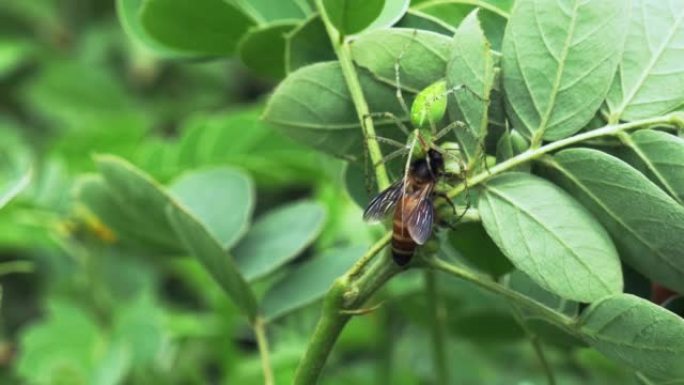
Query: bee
[412, 198]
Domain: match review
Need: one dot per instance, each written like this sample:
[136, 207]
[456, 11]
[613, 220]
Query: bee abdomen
[403, 246]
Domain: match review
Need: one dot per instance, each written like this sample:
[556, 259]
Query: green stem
[438, 327]
[346, 295]
[344, 56]
[486, 283]
[676, 119]
[16, 267]
[262, 343]
[536, 344]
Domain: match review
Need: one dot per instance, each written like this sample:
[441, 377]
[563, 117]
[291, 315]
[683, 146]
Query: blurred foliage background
[80, 307]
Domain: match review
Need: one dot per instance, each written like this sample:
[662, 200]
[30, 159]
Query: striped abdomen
[403, 246]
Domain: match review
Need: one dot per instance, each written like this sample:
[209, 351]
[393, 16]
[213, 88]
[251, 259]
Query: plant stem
[536, 344]
[346, 294]
[344, 56]
[262, 343]
[675, 118]
[486, 283]
[438, 328]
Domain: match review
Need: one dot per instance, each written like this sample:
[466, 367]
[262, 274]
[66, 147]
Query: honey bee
[412, 199]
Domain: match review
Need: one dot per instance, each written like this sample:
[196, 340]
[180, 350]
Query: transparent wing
[383, 203]
[420, 219]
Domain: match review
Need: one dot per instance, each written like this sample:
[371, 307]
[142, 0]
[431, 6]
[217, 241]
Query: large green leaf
[422, 56]
[550, 237]
[650, 80]
[308, 282]
[308, 44]
[258, 41]
[660, 157]
[352, 16]
[139, 197]
[471, 68]
[313, 105]
[221, 198]
[203, 246]
[201, 27]
[638, 333]
[268, 11]
[646, 224]
[277, 237]
[559, 58]
[452, 12]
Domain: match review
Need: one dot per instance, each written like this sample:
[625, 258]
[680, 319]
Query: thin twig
[262, 343]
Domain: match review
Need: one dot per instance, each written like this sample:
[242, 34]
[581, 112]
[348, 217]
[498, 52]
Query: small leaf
[308, 44]
[221, 198]
[392, 11]
[267, 39]
[638, 333]
[352, 16]
[268, 11]
[646, 224]
[550, 237]
[201, 27]
[650, 79]
[422, 56]
[203, 246]
[128, 12]
[660, 157]
[308, 282]
[559, 58]
[277, 237]
[140, 198]
[13, 182]
[471, 73]
[492, 16]
[511, 144]
[418, 20]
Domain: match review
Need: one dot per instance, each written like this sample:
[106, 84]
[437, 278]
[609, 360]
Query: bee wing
[420, 219]
[383, 203]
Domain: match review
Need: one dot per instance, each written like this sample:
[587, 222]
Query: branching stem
[344, 56]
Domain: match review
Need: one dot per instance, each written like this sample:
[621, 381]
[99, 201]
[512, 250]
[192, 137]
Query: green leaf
[650, 79]
[491, 16]
[422, 56]
[140, 198]
[660, 157]
[62, 347]
[391, 13]
[638, 333]
[308, 282]
[14, 53]
[268, 11]
[202, 27]
[471, 72]
[645, 223]
[474, 244]
[511, 144]
[222, 199]
[313, 105]
[203, 246]
[140, 327]
[550, 237]
[128, 12]
[277, 237]
[267, 39]
[352, 16]
[14, 178]
[308, 44]
[559, 58]
[418, 20]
